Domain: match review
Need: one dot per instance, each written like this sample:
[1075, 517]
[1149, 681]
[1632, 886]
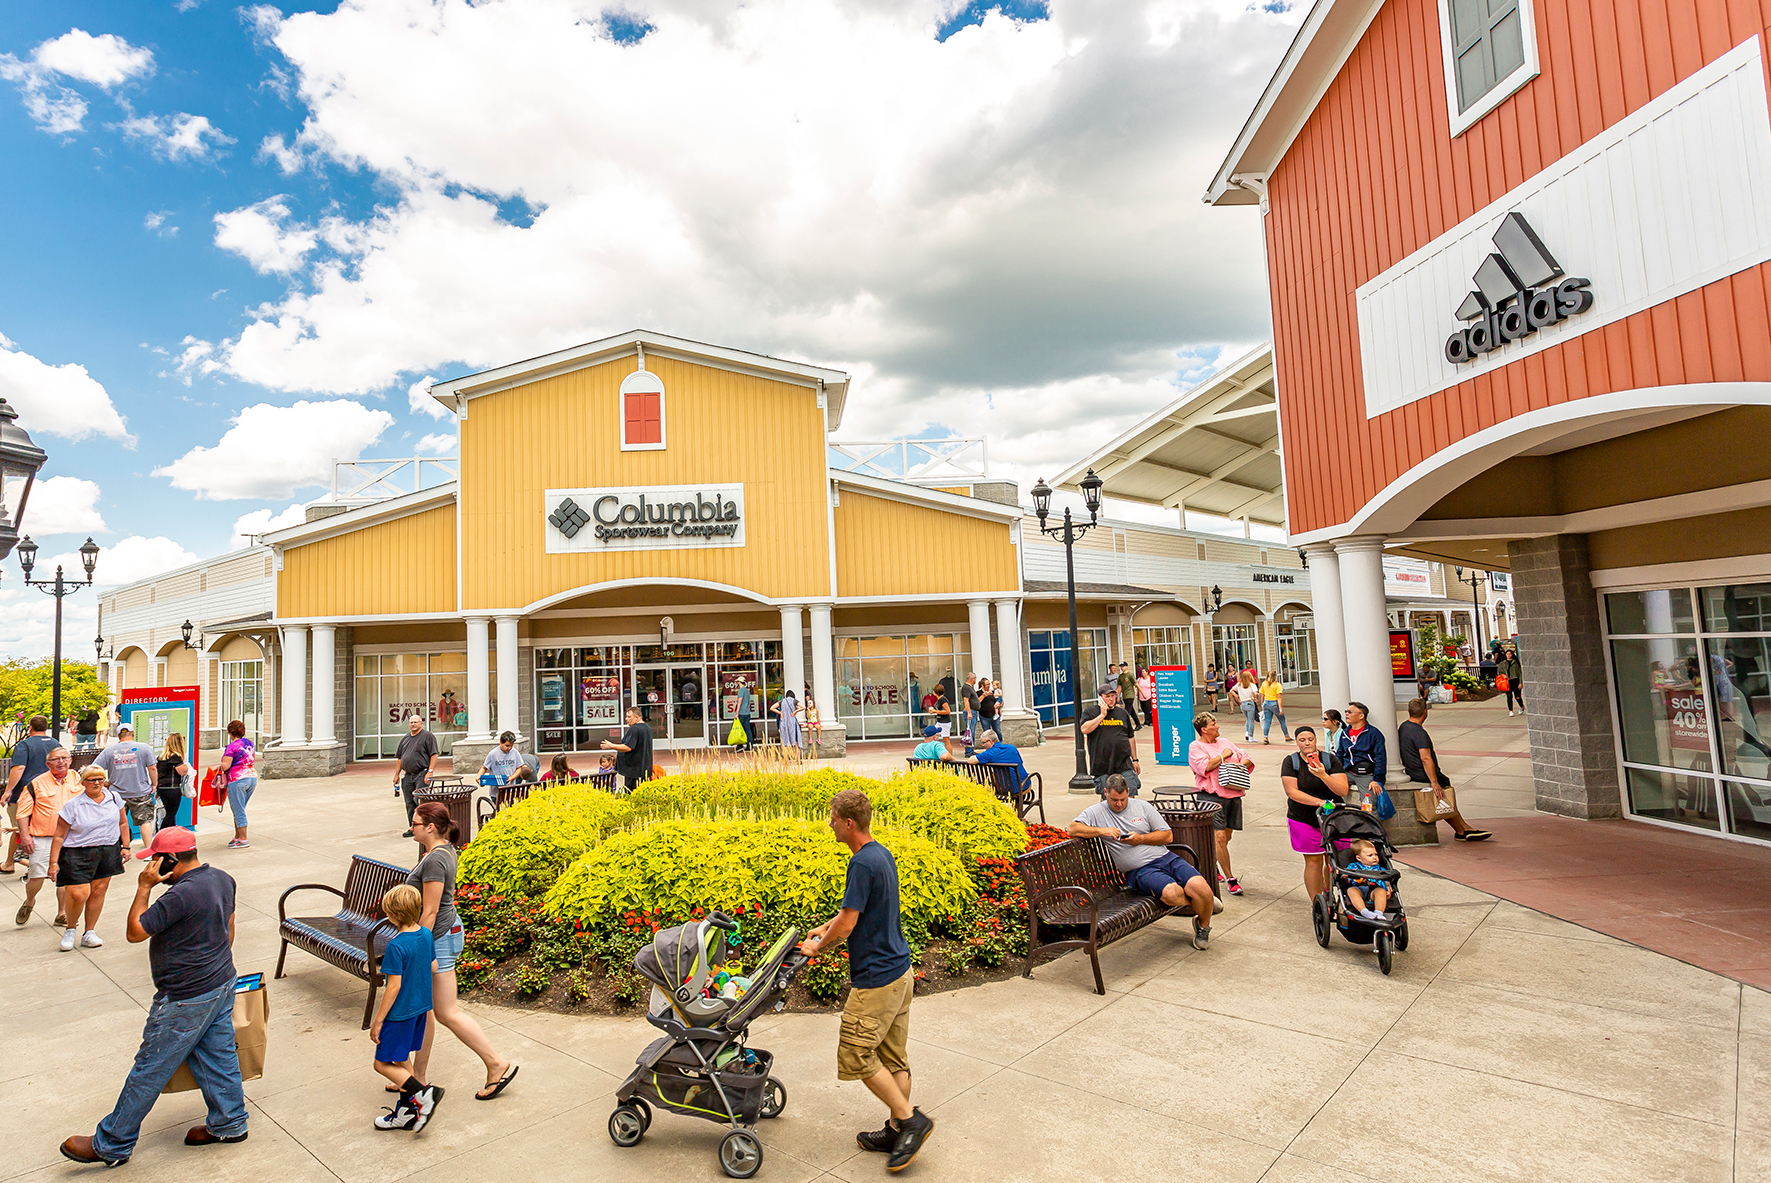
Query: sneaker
[882, 1140]
[911, 1135]
[23, 915]
[400, 1117]
[1475, 836]
[425, 1101]
[68, 938]
[1201, 936]
[238, 844]
[1233, 886]
[91, 940]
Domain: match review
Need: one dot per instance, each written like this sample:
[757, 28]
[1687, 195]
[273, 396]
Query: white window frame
[1503, 89]
[647, 382]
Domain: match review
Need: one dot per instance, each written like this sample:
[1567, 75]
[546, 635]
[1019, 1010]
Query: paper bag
[1429, 809]
[252, 1013]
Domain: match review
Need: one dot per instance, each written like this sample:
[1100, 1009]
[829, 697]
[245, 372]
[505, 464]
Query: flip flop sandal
[498, 1085]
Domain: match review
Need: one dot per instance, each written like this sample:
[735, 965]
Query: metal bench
[1074, 884]
[1000, 779]
[354, 937]
[497, 798]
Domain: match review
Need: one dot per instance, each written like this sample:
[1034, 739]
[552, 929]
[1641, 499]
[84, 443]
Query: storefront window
[1663, 610]
[1048, 659]
[1660, 703]
[580, 695]
[1234, 647]
[1687, 800]
[1169, 645]
[393, 686]
[1749, 809]
[887, 686]
[242, 696]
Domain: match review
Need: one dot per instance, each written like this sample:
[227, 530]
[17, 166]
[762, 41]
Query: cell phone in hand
[164, 864]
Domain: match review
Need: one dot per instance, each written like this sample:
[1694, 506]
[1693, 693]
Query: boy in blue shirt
[404, 1011]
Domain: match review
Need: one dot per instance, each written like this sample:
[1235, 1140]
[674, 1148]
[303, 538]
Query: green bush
[524, 849]
[787, 864]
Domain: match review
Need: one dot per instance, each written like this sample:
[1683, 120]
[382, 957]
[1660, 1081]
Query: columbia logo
[569, 518]
[1519, 289]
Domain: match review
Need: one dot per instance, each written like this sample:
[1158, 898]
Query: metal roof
[1213, 450]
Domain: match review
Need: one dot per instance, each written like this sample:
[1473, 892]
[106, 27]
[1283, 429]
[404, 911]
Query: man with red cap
[190, 935]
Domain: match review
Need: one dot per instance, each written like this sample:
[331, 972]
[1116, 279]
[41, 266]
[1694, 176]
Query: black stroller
[701, 1067]
[1331, 910]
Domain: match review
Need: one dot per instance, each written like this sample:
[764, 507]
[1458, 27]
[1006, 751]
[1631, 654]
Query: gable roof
[1323, 43]
[455, 392]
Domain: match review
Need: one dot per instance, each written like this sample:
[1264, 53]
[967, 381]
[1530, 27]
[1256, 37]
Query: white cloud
[437, 444]
[1013, 206]
[131, 559]
[264, 521]
[157, 222]
[105, 61]
[272, 451]
[59, 400]
[263, 236]
[177, 137]
[27, 618]
[60, 505]
[419, 399]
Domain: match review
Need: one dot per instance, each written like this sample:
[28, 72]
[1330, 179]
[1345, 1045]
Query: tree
[27, 688]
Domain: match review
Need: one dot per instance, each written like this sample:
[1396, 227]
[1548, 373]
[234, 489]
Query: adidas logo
[1519, 290]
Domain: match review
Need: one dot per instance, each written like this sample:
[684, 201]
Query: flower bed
[560, 891]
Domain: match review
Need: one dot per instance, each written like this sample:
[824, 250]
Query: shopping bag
[252, 1014]
[215, 788]
[1382, 805]
[1501, 684]
[1234, 776]
[1428, 808]
[736, 735]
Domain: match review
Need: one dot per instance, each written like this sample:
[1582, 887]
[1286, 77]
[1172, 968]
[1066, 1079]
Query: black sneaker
[879, 1140]
[400, 1117]
[425, 1102]
[911, 1135]
[1475, 836]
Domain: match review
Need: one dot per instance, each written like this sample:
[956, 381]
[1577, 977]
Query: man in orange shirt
[38, 808]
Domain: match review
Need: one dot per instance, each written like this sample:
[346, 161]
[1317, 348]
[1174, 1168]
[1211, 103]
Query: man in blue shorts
[1137, 839]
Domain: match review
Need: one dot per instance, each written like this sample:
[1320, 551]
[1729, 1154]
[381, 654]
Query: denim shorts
[448, 950]
[1152, 877]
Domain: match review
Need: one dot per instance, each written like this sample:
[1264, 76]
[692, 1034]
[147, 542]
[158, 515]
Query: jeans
[410, 783]
[994, 722]
[1515, 694]
[240, 792]
[200, 1030]
[1269, 712]
[1248, 720]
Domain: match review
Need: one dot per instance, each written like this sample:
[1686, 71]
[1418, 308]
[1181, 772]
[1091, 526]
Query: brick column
[1567, 698]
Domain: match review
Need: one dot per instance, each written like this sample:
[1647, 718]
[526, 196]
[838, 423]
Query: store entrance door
[1288, 661]
[673, 701]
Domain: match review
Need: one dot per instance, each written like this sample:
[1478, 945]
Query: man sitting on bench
[991, 750]
[1137, 839]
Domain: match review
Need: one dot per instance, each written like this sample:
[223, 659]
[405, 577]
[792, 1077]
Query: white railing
[953, 459]
[377, 480]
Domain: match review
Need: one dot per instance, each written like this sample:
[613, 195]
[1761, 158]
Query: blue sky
[256, 229]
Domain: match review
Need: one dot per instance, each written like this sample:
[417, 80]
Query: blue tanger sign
[1174, 712]
[1519, 290]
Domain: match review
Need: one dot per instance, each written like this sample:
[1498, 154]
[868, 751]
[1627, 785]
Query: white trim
[917, 495]
[642, 381]
[1697, 571]
[612, 584]
[1399, 504]
[1503, 88]
[378, 618]
[350, 521]
[1724, 499]
[638, 610]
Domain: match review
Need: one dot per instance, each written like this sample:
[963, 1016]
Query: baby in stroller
[1363, 900]
[1360, 880]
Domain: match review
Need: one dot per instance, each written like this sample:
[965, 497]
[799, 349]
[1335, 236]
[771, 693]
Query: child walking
[404, 1011]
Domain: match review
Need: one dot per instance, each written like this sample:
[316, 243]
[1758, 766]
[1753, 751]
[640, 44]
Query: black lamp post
[185, 630]
[60, 588]
[19, 461]
[1475, 608]
[1068, 533]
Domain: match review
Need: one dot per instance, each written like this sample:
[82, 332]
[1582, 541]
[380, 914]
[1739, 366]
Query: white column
[978, 611]
[823, 664]
[1331, 626]
[294, 687]
[325, 684]
[1367, 624]
[479, 664]
[507, 675]
[793, 650]
[1008, 643]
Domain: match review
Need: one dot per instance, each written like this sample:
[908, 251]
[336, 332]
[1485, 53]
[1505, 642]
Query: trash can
[459, 799]
[1193, 818]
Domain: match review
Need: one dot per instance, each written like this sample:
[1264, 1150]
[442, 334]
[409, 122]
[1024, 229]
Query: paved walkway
[1507, 1045]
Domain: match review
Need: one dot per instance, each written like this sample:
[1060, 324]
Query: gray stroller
[701, 1067]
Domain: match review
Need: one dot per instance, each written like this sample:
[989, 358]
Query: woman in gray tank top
[434, 877]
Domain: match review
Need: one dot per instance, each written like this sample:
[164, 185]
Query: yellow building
[640, 520]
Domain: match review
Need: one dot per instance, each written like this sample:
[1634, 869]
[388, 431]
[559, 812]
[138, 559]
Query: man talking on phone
[190, 935]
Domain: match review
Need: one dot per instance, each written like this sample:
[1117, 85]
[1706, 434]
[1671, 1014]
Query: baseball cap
[1109, 687]
[930, 730]
[171, 840]
[122, 727]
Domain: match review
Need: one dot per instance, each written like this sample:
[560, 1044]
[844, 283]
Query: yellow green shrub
[524, 849]
[787, 863]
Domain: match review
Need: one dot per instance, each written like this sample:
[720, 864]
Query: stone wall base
[467, 757]
[1405, 829]
[212, 738]
[295, 763]
[1022, 730]
[833, 741]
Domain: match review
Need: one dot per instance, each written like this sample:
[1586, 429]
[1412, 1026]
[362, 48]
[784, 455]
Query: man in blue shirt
[874, 1045]
[933, 746]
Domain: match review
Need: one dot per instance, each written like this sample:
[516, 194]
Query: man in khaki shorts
[874, 1045]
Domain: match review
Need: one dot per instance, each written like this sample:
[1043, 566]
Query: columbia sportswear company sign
[1519, 290]
[649, 517]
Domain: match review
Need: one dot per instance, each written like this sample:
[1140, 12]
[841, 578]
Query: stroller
[701, 1067]
[1330, 910]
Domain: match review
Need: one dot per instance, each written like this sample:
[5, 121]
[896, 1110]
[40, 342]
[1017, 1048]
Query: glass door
[1288, 661]
[673, 702]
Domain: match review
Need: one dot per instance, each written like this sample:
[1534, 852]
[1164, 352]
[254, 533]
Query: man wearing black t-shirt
[633, 754]
[1422, 766]
[417, 754]
[1108, 730]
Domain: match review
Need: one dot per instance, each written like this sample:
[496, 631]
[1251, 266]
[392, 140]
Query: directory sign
[158, 711]
[1173, 692]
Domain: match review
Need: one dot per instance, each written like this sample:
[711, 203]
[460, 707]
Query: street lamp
[1475, 608]
[19, 461]
[1068, 533]
[185, 631]
[60, 588]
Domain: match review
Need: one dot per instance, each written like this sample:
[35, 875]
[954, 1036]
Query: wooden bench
[1000, 779]
[500, 796]
[1075, 884]
[354, 937]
